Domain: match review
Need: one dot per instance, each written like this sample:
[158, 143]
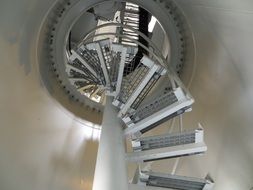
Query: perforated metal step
[121, 54]
[168, 140]
[167, 146]
[175, 181]
[137, 85]
[77, 70]
[130, 17]
[87, 63]
[102, 51]
[162, 108]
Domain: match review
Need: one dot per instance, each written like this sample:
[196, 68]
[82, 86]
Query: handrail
[155, 53]
[133, 40]
[130, 28]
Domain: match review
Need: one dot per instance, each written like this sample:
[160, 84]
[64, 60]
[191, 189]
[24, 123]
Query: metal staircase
[138, 85]
[173, 181]
[161, 109]
[167, 146]
[130, 17]
[107, 67]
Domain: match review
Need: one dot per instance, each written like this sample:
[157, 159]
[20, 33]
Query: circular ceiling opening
[152, 28]
[110, 23]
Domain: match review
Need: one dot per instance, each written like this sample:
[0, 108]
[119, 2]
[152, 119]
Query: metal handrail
[171, 72]
[133, 40]
[130, 28]
[154, 52]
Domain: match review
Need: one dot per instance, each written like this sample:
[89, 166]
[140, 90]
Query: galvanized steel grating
[91, 57]
[145, 91]
[147, 110]
[78, 65]
[131, 82]
[167, 140]
[179, 184]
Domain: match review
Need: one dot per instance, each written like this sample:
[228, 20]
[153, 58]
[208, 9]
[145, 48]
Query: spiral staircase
[50, 123]
[116, 67]
[107, 68]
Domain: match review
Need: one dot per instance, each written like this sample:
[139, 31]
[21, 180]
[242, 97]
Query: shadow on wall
[32, 17]
[79, 167]
[222, 96]
[31, 44]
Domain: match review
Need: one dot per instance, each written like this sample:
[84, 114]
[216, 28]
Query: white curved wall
[223, 88]
[42, 146]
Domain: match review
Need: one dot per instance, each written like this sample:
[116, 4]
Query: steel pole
[111, 170]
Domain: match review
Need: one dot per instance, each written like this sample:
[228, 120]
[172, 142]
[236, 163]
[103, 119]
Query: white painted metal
[209, 186]
[96, 46]
[75, 55]
[111, 172]
[147, 62]
[168, 152]
[170, 139]
[209, 183]
[73, 80]
[71, 67]
[142, 178]
[84, 88]
[142, 85]
[156, 105]
[93, 94]
[141, 187]
[103, 64]
[199, 134]
[123, 51]
[178, 182]
[133, 128]
[116, 103]
[130, 20]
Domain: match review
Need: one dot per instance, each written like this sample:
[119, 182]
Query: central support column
[111, 170]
